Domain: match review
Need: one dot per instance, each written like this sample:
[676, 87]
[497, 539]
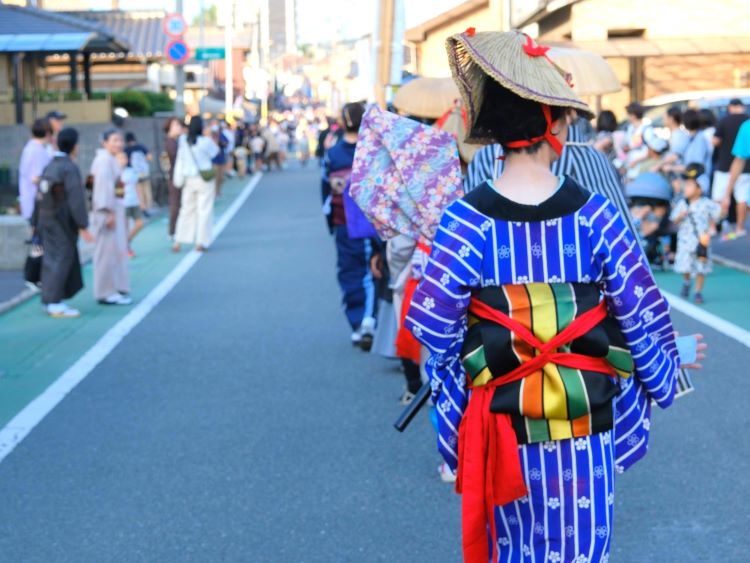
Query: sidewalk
[36, 349]
[733, 252]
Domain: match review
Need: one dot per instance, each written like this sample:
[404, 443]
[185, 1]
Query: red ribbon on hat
[470, 31]
[548, 135]
[535, 50]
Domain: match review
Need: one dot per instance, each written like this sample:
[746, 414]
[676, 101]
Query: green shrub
[160, 101]
[135, 102]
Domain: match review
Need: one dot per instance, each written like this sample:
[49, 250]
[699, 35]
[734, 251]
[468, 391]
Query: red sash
[489, 469]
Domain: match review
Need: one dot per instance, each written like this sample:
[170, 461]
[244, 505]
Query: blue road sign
[177, 52]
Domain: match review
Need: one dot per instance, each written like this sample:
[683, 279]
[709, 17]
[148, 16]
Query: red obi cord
[548, 135]
[489, 469]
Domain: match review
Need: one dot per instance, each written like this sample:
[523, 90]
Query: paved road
[236, 423]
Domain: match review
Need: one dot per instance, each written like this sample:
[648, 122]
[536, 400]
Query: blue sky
[319, 20]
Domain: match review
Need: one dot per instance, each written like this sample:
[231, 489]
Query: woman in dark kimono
[61, 215]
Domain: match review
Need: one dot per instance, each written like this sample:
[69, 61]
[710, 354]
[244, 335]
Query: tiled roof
[142, 30]
[44, 31]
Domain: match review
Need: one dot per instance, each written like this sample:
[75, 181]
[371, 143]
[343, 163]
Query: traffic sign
[174, 25]
[177, 52]
[210, 53]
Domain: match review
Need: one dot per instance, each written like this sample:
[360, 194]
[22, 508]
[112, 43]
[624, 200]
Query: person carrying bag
[194, 176]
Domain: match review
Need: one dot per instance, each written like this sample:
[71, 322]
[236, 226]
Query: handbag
[32, 270]
[701, 251]
[207, 175]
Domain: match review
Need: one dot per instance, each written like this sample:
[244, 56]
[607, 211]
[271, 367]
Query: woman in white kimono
[194, 175]
[111, 280]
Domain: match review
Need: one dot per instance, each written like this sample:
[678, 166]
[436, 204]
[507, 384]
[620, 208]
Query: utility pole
[383, 63]
[179, 79]
[202, 42]
[229, 64]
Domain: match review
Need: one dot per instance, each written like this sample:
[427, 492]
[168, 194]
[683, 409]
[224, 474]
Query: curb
[22, 297]
[731, 263]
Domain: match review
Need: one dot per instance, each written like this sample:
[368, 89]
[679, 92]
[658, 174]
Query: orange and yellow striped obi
[543, 362]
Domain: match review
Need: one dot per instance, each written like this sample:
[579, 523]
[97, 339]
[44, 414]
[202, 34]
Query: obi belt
[542, 361]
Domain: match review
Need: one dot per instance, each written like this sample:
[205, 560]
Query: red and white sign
[174, 25]
[177, 52]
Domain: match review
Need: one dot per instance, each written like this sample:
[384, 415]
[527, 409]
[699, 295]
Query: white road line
[24, 422]
[701, 315]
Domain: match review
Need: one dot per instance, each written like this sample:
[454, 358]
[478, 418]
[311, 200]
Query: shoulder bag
[207, 175]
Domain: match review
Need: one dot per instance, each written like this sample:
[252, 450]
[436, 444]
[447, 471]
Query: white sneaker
[446, 475]
[367, 332]
[116, 299]
[62, 311]
[356, 338]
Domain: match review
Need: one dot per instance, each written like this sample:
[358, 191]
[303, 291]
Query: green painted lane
[727, 293]
[37, 349]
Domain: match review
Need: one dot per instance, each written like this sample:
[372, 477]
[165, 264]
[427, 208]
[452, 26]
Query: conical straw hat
[513, 60]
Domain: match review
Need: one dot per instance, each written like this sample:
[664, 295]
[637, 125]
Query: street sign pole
[179, 80]
[228, 65]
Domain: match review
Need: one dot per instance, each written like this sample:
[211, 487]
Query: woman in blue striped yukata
[534, 306]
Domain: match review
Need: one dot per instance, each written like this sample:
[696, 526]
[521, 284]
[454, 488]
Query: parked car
[715, 100]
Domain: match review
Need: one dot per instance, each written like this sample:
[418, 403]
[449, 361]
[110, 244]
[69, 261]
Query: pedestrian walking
[697, 148]
[56, 120]
[111, 277]
[605, 140]
[139, 159]
[61, 215]
[133, 212]
[536, 451]
[694, 215]
[35, 157]
[257, 147]
[173, 128]
[724, 143]
[219, 160]
[353, 255]
[194, 175]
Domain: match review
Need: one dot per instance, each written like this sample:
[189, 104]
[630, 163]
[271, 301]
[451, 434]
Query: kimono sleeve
[103, 198]
[76, 197]
[636, 303]
[437, 318]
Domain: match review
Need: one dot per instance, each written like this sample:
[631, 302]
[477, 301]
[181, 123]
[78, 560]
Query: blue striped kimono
[487, 240]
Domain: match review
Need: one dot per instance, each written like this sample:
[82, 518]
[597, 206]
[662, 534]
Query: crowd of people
[108, 206]
[679, 182]
[533, 313]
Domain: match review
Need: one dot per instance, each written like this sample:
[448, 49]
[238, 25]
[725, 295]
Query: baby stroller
[649, 199]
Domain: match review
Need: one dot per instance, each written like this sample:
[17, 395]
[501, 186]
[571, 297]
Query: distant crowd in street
[108, 206]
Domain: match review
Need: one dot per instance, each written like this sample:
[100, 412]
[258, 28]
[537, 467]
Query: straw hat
[426, 97]
[516, 63]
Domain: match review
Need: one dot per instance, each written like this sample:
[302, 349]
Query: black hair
[41, 128]
[352, 115]
[606, 121]
[505, 117]
[676, 114]
[708, 119]
[692, 120]
[635, 109]
[195, 129]
[109, 132]
[130, 137]
[736, 102]
[67, 139]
